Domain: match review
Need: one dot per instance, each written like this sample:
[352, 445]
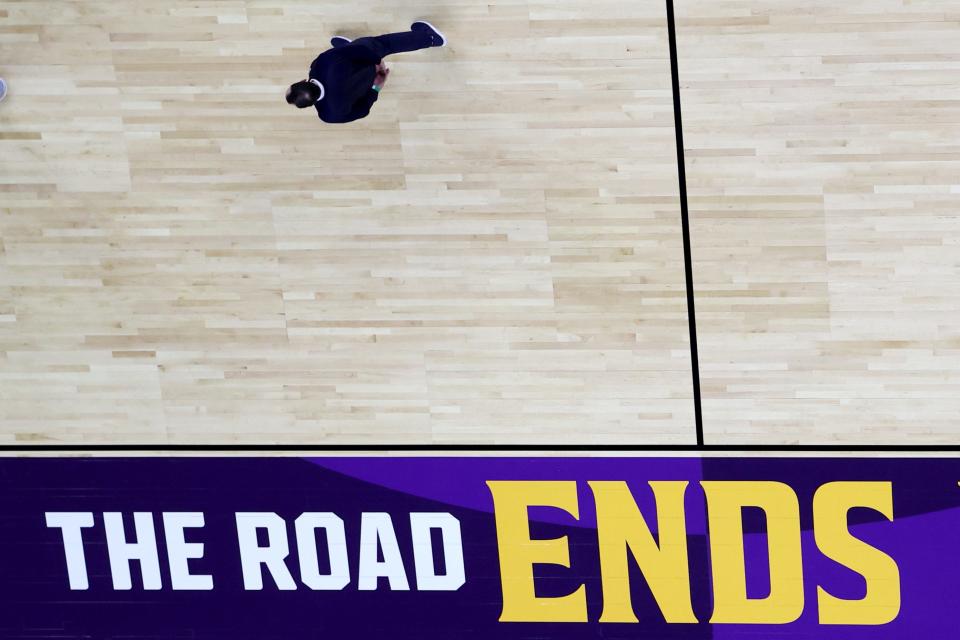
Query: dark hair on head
[303, 94]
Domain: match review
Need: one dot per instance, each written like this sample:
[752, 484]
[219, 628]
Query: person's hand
[382, 74]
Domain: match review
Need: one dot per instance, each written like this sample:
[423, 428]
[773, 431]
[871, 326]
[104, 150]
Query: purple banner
[479, 547]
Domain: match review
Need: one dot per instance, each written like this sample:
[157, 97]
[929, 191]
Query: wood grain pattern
[494, 256]
[823, 165]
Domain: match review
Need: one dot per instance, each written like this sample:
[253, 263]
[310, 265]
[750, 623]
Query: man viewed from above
[346, 80]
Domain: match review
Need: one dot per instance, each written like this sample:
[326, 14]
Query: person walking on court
[346, 80]
[3, 89]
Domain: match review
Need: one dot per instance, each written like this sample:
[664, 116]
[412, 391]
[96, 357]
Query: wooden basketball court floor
[496, 254]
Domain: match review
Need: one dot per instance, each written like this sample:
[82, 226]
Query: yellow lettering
[620, 526]
[725, 501]
[518, 553]
[831, 504]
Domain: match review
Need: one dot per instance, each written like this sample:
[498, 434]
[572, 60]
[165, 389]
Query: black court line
[361, 448]
[685, 223]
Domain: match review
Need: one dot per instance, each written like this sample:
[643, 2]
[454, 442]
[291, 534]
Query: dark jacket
[347, 74]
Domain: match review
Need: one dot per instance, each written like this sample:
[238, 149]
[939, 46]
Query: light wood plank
[823, 164]
[494, 256]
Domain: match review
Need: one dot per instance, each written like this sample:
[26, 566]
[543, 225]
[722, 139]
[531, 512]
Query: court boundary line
[359, 448]
[685, 224]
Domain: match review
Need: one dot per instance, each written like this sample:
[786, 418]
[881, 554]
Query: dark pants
[393, 43]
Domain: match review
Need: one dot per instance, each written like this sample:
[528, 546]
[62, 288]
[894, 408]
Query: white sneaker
[423, 25]
[3, 89]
